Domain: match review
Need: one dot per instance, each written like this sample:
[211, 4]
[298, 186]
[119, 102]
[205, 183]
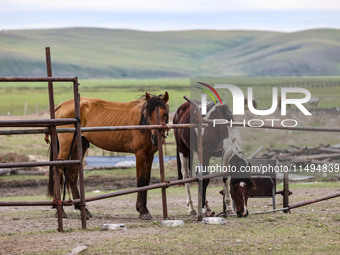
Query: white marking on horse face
[244, 207]
[242, 184]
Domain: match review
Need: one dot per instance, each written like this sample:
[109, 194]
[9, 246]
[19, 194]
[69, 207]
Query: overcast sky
[158, 15]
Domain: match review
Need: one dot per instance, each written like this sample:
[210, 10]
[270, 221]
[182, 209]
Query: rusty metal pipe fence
[50, 127]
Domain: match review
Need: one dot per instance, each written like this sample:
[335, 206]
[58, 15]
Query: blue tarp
[107, 161]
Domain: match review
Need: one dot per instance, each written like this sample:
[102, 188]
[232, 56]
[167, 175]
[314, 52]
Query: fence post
[57, 195]
[200, 173]
[79, 153]
[161, 164]
[285, 192]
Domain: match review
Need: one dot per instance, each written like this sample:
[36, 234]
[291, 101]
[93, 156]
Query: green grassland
[14, 96]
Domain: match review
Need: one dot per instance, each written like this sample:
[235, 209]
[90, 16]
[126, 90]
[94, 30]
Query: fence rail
[24, 123]
[38, 79]
[46, 163]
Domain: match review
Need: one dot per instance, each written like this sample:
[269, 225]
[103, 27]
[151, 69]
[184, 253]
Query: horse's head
[239, 191]
[149, 117]
[241, 183]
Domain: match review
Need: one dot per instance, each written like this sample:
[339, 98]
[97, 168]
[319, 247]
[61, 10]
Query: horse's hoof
[88, 214]
[63, 215]
[145, 216]
[210, 214]
[230, 212]
[87, 217]
[192, 213]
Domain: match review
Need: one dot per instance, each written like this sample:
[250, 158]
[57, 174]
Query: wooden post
[285, 192]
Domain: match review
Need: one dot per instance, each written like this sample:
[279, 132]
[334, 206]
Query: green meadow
[14, 96]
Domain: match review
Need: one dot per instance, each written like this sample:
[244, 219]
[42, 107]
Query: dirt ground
[32, 230]
[39, 187]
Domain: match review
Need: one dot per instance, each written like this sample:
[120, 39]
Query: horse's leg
[64, 148]
[191, 156]
[185, 173]
[205, 206]
[227, 197]
[61, 169]
[191, 159]
[179, 166]
[63, 213]
[143, 168]
[73, 173]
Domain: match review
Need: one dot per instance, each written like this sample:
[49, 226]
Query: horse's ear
[147, 96]
[165, 97]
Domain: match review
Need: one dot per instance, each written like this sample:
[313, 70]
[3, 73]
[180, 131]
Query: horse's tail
[50, 190]
[179, 165]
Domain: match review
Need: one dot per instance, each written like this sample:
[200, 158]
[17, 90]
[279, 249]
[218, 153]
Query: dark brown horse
[219, 141]
[95, 113]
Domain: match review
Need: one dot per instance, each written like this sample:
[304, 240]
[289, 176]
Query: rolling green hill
[103, 53]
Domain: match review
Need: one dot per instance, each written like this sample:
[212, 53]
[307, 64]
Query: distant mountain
[102, 53]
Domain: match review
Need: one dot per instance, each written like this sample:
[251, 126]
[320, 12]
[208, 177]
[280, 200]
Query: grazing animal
[143, 143]
[220, 141]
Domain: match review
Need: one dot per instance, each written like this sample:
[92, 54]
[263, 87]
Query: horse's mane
[227, 112]
[149, 106]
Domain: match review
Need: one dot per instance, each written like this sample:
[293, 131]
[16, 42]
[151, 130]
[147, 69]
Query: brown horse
[143, 143]
[218, 141]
